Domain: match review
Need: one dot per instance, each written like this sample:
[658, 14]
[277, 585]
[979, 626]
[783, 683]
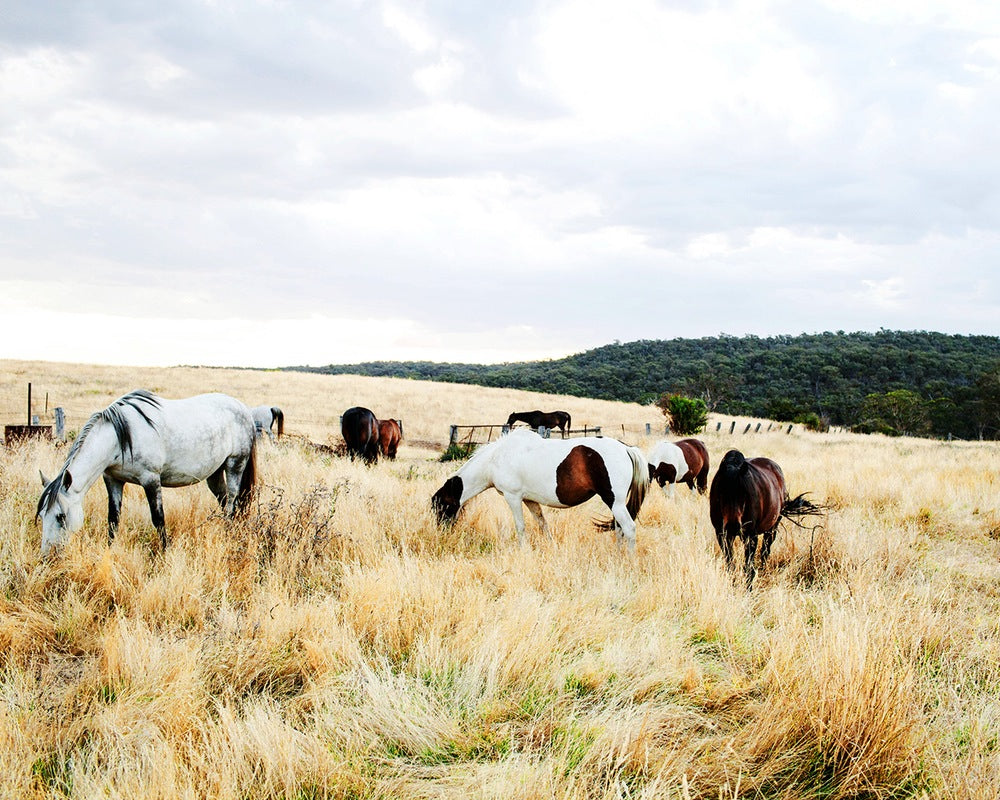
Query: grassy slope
[342, 645]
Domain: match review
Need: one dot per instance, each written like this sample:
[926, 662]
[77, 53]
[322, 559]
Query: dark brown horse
[359, 428]
[749, 498]
[696, 456]
[390, 433]
[536, 419]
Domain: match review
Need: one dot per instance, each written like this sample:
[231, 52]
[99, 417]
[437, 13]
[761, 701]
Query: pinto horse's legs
[536, 512]
[114, 488]
[514, 501]
[625, 525]
[154, 496]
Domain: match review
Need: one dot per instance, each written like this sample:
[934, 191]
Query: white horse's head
[61, 511]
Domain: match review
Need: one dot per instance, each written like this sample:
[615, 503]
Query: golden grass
[340, 644]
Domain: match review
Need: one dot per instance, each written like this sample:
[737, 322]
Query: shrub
[685, 415]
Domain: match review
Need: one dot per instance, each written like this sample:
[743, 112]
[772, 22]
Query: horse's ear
[45, 481]
[67, 480]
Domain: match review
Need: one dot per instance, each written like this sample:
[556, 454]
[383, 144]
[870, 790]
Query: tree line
[895, 382]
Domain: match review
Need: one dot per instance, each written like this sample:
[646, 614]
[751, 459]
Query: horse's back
[206, 428]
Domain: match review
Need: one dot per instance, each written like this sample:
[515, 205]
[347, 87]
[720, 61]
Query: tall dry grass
[340, 644]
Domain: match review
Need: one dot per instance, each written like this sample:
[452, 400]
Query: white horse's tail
[640, 481]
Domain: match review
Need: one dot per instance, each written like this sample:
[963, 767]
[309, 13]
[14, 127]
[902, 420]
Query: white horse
[264, 418]
[560, 473]
[667, 465]
[153, 442]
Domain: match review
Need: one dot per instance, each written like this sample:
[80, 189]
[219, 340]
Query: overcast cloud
[272, 183]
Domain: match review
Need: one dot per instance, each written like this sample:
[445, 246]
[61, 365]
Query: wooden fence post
[747, 428]
[60, 424]
[789, 429]
[733, 426]
[757, 429]
[649, 429]
[718, 426]
[453, 436]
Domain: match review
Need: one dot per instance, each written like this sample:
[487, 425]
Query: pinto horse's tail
[640, 481]
[636, 490]
[279, 417]
[248, 483]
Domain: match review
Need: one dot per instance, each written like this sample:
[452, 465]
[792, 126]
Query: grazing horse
[153, 442]
[359, 428]
[696, 456]
[685, 461]
[666, 464]
[264, 418]
[536, 419]
[527, 469]
[390, 434]
[749, 497]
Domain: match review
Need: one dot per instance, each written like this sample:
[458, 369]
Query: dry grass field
[340, 644]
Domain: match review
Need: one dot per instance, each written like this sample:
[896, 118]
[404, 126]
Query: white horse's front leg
[514, 501]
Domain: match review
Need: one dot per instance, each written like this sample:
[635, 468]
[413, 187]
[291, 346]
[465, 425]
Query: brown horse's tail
[248, 483]
[279, 415]
[797, 507]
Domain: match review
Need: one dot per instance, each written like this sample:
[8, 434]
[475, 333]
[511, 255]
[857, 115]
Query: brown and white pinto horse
[536, 419]
[390, 434]
[749, 498]
[528, 469]
[696, 456]
[685, 461]
[359, 428]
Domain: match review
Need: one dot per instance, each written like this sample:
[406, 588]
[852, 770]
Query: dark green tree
[685, 415]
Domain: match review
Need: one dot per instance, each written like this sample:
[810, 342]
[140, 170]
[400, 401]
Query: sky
[287, 183]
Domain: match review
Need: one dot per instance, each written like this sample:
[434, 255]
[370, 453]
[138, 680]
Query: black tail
[279, 416]
[799, 507]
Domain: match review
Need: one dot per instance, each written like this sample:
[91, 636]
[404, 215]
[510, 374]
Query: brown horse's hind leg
[765, 547]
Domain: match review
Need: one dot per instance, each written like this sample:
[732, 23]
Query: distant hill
[780, 377]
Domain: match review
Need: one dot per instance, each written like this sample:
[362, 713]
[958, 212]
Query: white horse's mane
[114, 415]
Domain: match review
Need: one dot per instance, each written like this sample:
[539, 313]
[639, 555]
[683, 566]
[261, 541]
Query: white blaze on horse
[264, 418]
[144, 439]
[528, 469]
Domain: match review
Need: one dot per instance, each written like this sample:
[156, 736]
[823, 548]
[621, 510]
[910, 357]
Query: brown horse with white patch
[749, 498]
[528, 469]
[390, 434]
[696, 456]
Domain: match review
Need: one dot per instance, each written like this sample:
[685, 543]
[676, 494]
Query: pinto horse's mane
[113, 414]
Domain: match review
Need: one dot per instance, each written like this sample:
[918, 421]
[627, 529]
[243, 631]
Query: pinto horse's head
[447, 500]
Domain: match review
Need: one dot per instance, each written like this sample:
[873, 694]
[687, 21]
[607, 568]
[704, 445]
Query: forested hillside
[914, 382]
